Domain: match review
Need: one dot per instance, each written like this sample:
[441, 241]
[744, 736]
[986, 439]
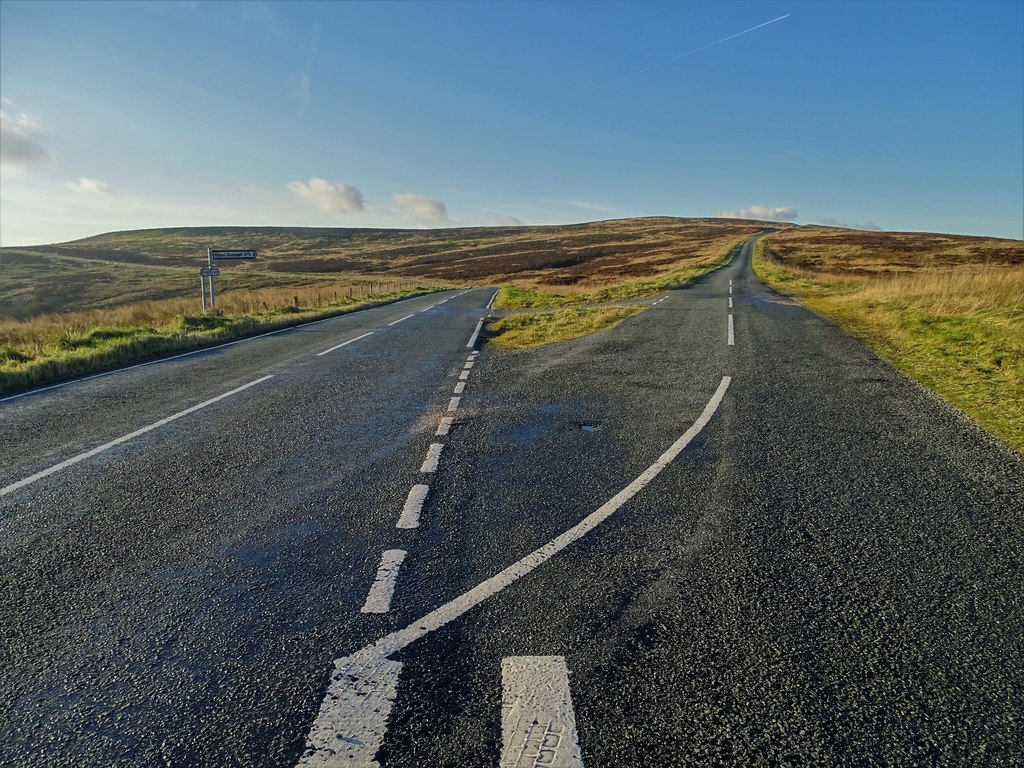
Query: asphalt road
[828, 573]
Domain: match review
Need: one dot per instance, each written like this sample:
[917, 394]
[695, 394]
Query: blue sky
[124, 115]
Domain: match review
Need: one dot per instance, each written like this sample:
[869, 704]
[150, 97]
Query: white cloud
[504, 219]
[20, 144]
[328, 197]
[590, 206]
[88, 186]
[867, 225]
[421, 206]
[758, 211]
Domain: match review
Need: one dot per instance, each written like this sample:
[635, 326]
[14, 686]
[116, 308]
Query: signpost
[209, 271]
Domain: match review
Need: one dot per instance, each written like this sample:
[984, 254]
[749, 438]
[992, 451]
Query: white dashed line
[476, 332]
[730, 302]
[399, 320]
[463, 375]
[383, 588]
[325, 741]
[453, 404]
[460, 388]
[433, 457]
[730, 283]
[444, 426]
[350, 728]
[343, 344]
[732, 336]
[446, 300]
[427, 309]
[107, 446]
[538, 726]
[410, 517]
[730, 289]
[468, 365]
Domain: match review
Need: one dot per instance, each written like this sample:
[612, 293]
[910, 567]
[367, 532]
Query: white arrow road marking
[410, 517]
[321, 739]
[343, 344]
[107, 446]
[350, 727]
[538, 727]
[378, 600]
[433, 457]
[732, 335]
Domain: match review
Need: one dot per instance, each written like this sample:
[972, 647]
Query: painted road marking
[468, 365]
[325, 741]
[428, 308]
[453, 404]
[538, 726]
[378, 600]
[433, 457]
[410, 517]
[460, 388]
[350, 728]
[732, 336]
[464, 375]
[476, 332]
[730, 302]
[107, 446]
[344, 344]
[396, 322]
[490, 303]
[444, 425]
[730, 283]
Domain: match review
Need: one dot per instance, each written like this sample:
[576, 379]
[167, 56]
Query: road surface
[721, 533]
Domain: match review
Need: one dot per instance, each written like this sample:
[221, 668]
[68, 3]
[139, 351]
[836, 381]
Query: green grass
[536, 328]
[960, 333]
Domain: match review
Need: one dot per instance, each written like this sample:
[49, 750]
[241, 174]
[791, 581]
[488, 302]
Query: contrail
[684, 55]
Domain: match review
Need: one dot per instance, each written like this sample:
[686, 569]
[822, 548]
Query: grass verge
[37, 353]
[536, 328]
[958, 330]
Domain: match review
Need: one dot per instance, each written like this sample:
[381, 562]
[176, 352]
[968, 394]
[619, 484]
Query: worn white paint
[460, 388]
[490, 304]
[124, 439]
[444, 425]
[476, 332]
[538, 726]
[433, 457]
[732, 335]
[463, 375]
[343, 344]
[396, 641]
[453, 404]
[468, 365]
[350, 727]
[410, 517]
[378, 600]
[730, 302]
[401, 319]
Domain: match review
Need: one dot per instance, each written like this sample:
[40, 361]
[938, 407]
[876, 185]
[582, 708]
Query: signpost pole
[202, 289]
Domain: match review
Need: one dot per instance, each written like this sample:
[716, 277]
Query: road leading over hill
[650, 546]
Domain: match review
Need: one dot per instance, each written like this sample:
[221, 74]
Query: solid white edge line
[410, 517]
[433, 458]
[106, 446]
[732, 335]
[476, 332]
[538, 725]
[490, 304]
[323, 743]
[343, 344]
[196, 351]
[378, 599]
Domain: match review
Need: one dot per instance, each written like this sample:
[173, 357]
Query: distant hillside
[125, 267]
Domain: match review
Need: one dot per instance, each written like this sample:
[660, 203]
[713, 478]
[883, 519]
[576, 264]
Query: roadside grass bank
[954, 325]
[563, 315]
[55, 348]
[544, 327]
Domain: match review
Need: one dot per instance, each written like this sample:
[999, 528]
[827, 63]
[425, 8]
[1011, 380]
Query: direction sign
[232, 254]
[210, 271]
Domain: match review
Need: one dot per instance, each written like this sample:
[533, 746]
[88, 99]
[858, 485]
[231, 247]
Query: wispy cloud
[303, 92]
[504, 219]
[590, 206]
[328, 197]
[21, 137]
[758, 211]
[684, 55]
[421, 207]
[87, 186]
[867, 225]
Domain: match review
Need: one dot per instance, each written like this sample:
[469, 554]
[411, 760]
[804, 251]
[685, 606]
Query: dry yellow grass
[947, 310]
